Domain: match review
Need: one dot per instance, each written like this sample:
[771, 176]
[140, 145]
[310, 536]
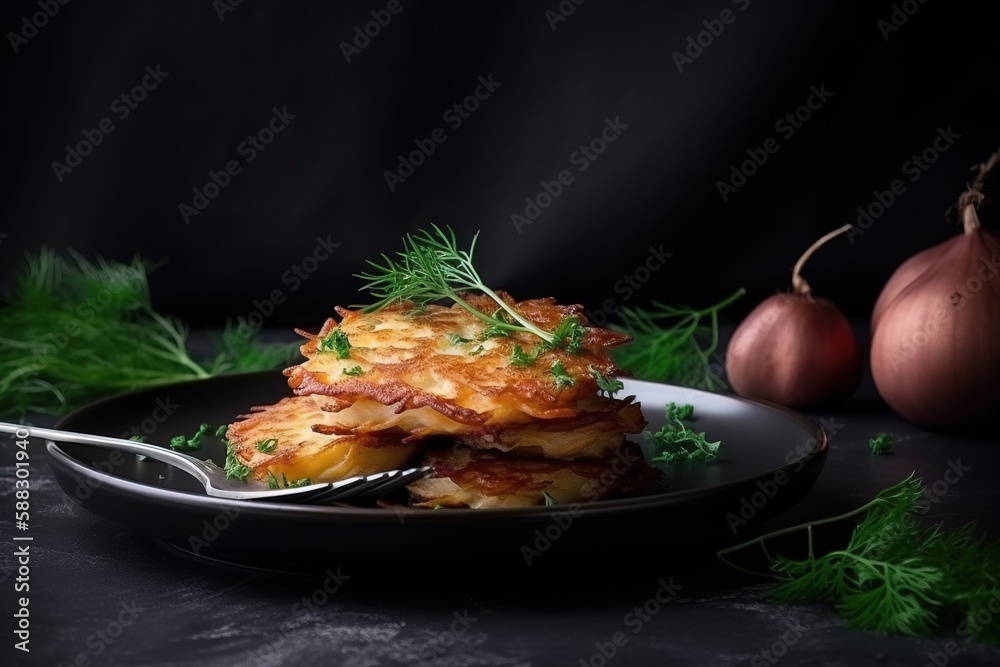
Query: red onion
[935, 351]
[795, 349]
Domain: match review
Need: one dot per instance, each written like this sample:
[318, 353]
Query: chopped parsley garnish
[455, 339]
[563, 379]
[478, 350]
[500, 325]
[221, 431]
[181, 443]
[337, 342]
[881, 443]
[676, 443]
[267, 446]
[607, 384]
[234, 467]
[274, 483]
[571, 331]
[675, 411]
[521, 358]
[355, 371]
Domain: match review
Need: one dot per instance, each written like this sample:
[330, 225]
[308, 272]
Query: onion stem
[799, 284]
[969, 200]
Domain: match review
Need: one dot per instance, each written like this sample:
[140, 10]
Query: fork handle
[188, 464]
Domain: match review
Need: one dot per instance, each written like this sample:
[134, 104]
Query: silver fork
[214, 479]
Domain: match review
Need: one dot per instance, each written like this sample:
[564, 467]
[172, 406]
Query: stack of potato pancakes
[431, 386]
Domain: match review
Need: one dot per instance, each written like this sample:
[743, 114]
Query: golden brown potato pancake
[464, 477]
[597, 429]
[302, 451]
[376, 388]
[412, 358]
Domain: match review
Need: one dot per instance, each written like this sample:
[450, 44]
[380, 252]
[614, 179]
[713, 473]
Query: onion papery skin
[935, 353]
[795, 350]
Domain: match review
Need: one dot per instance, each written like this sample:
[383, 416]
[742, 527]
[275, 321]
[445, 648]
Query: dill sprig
[432, 268]
[670, 343]
[72, 330]
[895, 575]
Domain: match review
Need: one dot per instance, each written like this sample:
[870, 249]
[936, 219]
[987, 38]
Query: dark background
[656, 185]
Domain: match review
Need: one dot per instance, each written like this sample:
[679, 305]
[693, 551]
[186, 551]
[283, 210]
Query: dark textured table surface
[102, 595]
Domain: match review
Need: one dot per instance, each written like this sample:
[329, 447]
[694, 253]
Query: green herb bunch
[72, 330]
[672, 344]
[896, 574]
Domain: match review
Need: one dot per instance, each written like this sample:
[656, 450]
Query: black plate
[770, 458]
